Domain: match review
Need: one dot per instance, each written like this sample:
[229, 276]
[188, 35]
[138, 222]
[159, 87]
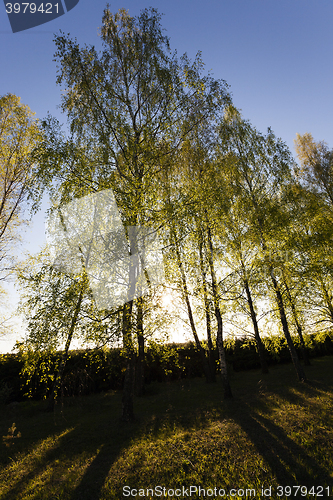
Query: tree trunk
[327, 298]
[58, 377]
[298, 367]
[210, 346]
[127, 399]
[201, 350]
[227, 394]
[298, 325]
[260, 346]
[140, 360]
[207, 313]
[127, 414]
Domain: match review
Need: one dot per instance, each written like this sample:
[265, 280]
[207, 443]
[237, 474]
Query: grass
[276, 431]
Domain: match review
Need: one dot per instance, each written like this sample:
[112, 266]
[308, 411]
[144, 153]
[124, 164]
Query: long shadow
[83, 437]
[94, 478]
[308, 395]
[289, 462]
[15, 491]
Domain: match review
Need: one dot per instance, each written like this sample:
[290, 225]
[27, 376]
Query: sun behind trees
[179, 158]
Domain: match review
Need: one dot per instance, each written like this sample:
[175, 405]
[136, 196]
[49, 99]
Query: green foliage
[20, 134]
[38, 373]
[30, 374]
[85, 372]
[172, 362]
[10, 367]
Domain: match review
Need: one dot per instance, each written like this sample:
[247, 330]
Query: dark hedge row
[29, 374]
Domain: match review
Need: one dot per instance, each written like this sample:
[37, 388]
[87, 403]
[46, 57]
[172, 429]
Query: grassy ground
[275, 432]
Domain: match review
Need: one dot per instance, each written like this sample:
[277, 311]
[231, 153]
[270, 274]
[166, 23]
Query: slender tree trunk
[278, 296]
[327, 298]
[227, 394]
[210, 346]
[201, 350]
[127, 414]
[139, 368]
[128, 390]
[58, 377]
[298, 325]
[260, 346]
[293, 353]
[207, 313]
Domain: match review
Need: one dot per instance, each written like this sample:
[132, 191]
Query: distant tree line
[27, 375]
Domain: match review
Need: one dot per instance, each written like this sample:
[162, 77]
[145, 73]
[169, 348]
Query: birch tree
[130, 107]
[261, 169]
[19, 135]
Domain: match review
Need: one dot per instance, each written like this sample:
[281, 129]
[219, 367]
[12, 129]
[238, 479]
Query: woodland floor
[276, 431]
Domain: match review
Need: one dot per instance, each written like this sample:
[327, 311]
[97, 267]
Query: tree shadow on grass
[16, 491]
[289, 461]
[86, 428]
[154, 416]
[98, 439]
[94, 478]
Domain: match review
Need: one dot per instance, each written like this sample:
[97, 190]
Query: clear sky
[276, 55]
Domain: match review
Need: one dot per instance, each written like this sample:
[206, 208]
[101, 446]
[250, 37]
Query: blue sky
[276, 55]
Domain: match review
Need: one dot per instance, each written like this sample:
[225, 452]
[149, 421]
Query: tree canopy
[19, 136]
